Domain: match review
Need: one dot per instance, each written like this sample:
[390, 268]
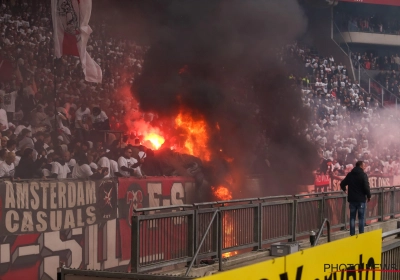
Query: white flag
[71, 34]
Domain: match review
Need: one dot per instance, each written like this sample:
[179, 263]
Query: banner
[322, 180]
[375, 181]
[346, 258]
[327, 183]
[42, 206]
[72, 32]
[100, 245]
[134, 194]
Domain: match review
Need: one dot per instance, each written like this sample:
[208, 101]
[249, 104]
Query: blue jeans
[354, 208]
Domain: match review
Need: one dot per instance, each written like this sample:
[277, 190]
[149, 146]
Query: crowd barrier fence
[163, 236]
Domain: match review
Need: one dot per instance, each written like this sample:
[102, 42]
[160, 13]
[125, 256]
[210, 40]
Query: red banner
[322, 180]
[104, 246]
[134, 194]
[377, 2]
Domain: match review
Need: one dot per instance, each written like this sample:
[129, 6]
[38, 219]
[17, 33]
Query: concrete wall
[368, 38]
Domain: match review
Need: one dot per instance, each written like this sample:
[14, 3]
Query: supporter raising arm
[127, 164]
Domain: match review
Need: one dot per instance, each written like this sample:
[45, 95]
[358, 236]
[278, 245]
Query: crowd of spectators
[375, 62]
[374, 23]
[389, 66]
[347, 123]
[48, 135]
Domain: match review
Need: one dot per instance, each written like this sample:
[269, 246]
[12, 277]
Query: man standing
[358, 193]
[81, 118]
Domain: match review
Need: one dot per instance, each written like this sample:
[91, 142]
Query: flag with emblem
[72, 32]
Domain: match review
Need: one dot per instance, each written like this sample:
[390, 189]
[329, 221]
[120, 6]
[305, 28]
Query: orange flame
[222, 193]
[229, 254]
[152, 136]
[196, 135]
[155, 139]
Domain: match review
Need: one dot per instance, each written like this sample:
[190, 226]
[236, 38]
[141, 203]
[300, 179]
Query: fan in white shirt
[81, 117]
[105, 163]
[110, 164]
[127, 165]
[82, 169]
[7, 168]
[60, 168]
[92, 164]
[3, 120]
[70, 161]
[82, 172]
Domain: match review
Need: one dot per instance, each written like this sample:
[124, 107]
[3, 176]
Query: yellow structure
[358, 255]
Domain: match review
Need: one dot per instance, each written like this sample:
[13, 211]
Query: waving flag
[71, 34]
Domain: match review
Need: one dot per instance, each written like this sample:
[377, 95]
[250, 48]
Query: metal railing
[321, 230]
[75, 274]
[391, 256]
[196, 232]
[385, 94]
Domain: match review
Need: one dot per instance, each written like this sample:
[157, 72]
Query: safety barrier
[168, 238]
[391, 257]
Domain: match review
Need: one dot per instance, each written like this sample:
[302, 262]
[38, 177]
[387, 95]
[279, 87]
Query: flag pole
[55, 94]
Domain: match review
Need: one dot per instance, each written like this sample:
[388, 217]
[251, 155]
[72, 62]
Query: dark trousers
[10, 116]
[82, 134]
[357, 207]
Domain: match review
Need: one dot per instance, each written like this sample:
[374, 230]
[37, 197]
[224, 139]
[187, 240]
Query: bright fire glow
[196, 134]
[224, 193]
[155, 139]
[152, 136]
[229, 254]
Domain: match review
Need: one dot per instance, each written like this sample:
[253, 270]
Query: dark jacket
[151, 167]
[358, 184]
[29, 169]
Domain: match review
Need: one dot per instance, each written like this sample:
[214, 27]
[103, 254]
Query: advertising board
[355, 257]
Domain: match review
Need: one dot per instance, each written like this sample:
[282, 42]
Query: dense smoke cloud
[380, 136]
[219, 60]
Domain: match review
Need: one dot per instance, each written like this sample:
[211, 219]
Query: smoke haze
[381, 129]
[218, 59]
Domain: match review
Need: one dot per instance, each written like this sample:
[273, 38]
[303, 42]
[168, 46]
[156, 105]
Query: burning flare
[195, 131]
[223, 193]
[152, 136]
[155, 139]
